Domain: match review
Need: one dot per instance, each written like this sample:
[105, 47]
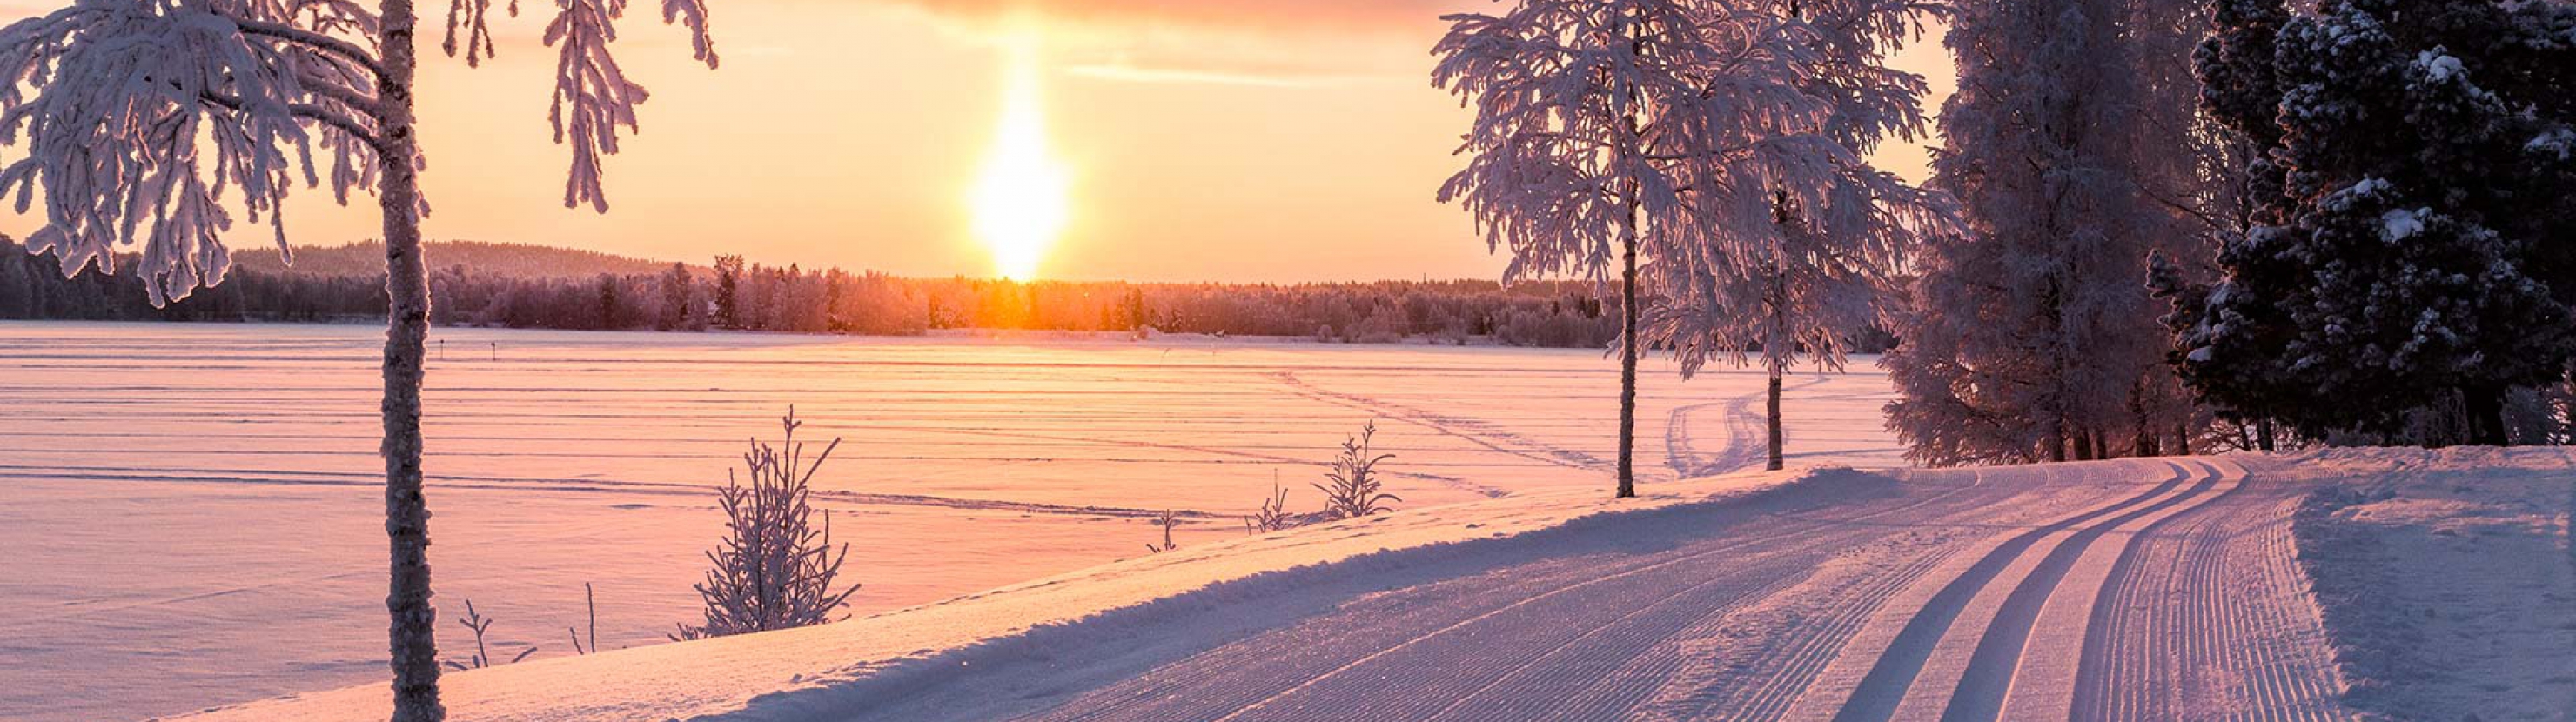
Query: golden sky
[1228, 140]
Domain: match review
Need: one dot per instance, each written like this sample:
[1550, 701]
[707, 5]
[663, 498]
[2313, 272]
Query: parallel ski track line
[1884, 687]
[2005, 648]
[2194, 632]
[1646, 669]
[1173, 684]
[1764, 685]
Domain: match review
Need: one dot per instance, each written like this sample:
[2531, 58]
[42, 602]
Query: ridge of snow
[794, 673]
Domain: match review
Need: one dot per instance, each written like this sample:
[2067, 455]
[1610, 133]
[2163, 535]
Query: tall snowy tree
[2030, 337]
[145, 114]
[1798, 238]
[1580, 106]
[2428, 147]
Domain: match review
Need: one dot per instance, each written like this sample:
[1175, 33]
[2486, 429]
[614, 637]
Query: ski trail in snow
[2222, 592]
[1744, 433]
[1474, 432]
[1983, 594]
[1893, 669]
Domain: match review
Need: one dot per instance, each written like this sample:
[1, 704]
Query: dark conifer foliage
[2419, 260]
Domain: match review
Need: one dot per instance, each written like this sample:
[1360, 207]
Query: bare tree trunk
[1775, 464]
[1628, 358]
[414, 642]
[2263, 433]
[2182, 438]
[1632, 144]
[2485, 407]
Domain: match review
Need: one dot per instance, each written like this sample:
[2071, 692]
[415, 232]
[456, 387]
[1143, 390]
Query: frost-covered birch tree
[1798, 237]
[1579, 106]
[145, 124]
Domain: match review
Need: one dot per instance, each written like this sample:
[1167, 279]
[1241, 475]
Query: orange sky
[1232, 140]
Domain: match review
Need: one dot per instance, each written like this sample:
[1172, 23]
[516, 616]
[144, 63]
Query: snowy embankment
[1261, 582]
[2447, 579]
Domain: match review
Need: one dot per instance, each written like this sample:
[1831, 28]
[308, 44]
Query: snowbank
[2446, 578]
[1262, 581]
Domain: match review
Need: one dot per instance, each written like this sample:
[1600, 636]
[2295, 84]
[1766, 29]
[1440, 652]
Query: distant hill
[506, 260]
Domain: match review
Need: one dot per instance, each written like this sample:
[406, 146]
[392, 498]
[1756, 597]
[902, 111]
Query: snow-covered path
[2144, 590]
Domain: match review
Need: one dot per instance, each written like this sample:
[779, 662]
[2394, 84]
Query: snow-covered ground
[2448, 579]
[2130, 590]
[190, 514]
[2320, 586]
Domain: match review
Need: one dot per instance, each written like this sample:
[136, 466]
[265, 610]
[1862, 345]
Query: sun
[1020, 199]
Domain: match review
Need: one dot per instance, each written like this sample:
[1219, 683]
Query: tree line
[734, 294]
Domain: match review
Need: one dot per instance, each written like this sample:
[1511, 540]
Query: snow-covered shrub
[775, 569]
[1273, 515]
[1354, 491]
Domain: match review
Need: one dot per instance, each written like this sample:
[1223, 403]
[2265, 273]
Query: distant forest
[520, 286]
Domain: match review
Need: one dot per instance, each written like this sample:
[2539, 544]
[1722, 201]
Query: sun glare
[1020, 204]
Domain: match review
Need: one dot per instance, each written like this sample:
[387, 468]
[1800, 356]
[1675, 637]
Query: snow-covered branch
[145, 114]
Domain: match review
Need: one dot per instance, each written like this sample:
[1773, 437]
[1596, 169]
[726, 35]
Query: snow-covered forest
[2152, 226]
[488, 285]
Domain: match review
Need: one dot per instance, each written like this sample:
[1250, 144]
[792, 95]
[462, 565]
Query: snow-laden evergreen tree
[146, 123]
[1797, 237]
[2428, 149]
[1580, 105]
[2030, 337]
[2228, 334]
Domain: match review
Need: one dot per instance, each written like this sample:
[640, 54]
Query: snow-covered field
[189, 519]
[189, 514]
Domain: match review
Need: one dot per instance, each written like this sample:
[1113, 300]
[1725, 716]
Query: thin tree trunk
[2182, 438]
[2485, 407]
[1775, 464]
[2263, 433]
[1628, 358]
[1632, 144]
[413, 638]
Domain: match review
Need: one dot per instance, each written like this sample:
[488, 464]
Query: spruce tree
[2427, 148]
[2229, 335]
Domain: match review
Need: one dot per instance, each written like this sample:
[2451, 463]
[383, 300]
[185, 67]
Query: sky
[1197, 140]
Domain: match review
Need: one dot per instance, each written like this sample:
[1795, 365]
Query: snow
[1778, 595]
[2448, 579]
[2438, 65]
[2400, 224]
[244, 561]
[239, 463]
